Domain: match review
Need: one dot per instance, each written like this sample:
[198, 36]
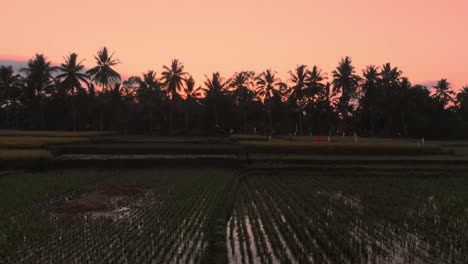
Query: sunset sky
[426, 39]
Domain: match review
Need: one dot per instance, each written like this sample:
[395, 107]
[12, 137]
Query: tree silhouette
[268, 87]
[382, 103]
[215, 89]
[391, 88]
[346, 82]
[370, 90]
[38, 80]
[242, 94]
[442, 92]
[297, 96]
[10, 91]
[314, 82]
[173, 77]
[327, 99]
[71, 77]
[102, 73]
[149, 94]
[192, 95]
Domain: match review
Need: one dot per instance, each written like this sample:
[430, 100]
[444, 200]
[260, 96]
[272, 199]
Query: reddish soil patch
[96, 201]
[121, 191]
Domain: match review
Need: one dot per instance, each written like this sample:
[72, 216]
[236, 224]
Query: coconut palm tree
[297, 97]
[327, 97]
[149, 93]
[215, 89]
[462, 102]
[38, 80]
[38, 75]
[442, 92]
[268, 87]
[71, 77]
[173, 77]
[192, 94]
[9, 91]
[240, 84]
[462, 96]
[314, 82]
[370, 91]
[102, 73]
[390, 83]
[345, 82]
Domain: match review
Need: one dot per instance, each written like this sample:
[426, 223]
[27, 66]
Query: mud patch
[104, 203]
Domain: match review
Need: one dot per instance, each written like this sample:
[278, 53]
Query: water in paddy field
[270, 226]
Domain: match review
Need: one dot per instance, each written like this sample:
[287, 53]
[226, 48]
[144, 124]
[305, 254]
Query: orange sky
[426, 39]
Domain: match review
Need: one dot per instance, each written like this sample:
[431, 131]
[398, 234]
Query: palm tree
[462, 102]
[297, 98]
[442, 92]
[148, 93]
[370, 91]
[71, 78]
[215, 88]
[268, 87]
[173, 77]
[102, 73]
[242, 94]
[38, 79]
[462, 96]
[314, 81]
[390, 83]
[346, 82]
[9, 90]
[38, 75]
[328, 98]
[192, 94]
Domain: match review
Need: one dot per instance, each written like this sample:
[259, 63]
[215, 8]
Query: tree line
[379, 102]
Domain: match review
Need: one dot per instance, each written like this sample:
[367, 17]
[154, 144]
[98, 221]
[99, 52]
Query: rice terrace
[237, 199]
[234, 132]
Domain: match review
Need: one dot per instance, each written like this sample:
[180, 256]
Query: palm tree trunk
[270, 119]
[372, 121]
[101, 120]
[216, 115]
[74, 113]
[300, 123]
[7, 119]
[245, 120]
[171, 116]
[150, 120]
[187, 112]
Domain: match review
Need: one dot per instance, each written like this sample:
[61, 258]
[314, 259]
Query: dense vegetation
[380, 102]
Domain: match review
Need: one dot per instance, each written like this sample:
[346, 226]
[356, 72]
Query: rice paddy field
[83, 216]
[204, 215]
[103, 198]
